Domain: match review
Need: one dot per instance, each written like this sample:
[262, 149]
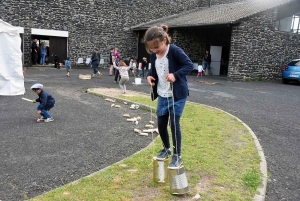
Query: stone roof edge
[272, 7]
[167, 17]
[142, 26]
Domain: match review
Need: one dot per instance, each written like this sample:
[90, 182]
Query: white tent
[11, 72]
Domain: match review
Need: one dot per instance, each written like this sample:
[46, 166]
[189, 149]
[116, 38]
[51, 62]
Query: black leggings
[162, 123]
[117, 76]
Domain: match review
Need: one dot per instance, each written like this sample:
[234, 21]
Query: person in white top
[123, 70]
[200, 70]
[167, 78]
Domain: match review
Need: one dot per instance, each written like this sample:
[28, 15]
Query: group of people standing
[39, 53]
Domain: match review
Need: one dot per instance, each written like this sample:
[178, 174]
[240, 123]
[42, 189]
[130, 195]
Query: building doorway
[55, 45]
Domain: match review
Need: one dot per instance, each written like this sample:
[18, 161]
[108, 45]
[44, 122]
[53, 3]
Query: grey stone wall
[258, 51]
[192, 42]
[90, 23]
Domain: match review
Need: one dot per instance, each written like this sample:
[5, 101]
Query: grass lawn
[220, 158]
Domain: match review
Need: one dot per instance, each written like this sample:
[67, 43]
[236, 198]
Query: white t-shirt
[200, 68]
[162, 69]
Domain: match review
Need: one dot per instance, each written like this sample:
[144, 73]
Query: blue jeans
[45, 113]
[42, 60]
[206, 65]
[165, 105]
[143, 72]
[95, 65]
[164, 112]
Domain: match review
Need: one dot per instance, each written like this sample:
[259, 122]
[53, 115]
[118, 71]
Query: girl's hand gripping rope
[151, 80]
[170, 78]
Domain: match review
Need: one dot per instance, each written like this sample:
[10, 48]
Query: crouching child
[46, 101]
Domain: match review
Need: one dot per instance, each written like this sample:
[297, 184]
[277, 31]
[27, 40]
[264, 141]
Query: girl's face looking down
[157, 47]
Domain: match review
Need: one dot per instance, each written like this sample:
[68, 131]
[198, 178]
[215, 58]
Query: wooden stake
[132, 119]
[149, 126]
[126, 115]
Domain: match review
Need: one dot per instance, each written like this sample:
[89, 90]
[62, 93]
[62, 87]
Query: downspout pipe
[209, 3]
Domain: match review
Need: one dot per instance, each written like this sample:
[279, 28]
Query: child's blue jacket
[67, 64]
[180, 65]
[46, 100]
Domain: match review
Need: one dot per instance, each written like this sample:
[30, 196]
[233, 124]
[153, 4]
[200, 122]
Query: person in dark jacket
[144, 67]
[95, 61]
[167, 76]
[206, 60]
[34, 51]
[46, 101]
[56, 61]
[111, 68]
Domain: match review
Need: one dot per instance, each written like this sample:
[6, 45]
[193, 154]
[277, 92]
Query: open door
[58, 46]
[216, 53]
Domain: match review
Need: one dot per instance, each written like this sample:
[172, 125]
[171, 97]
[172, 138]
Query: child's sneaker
[176, 162]
[42, 118]
[164, 153]
[49, 119]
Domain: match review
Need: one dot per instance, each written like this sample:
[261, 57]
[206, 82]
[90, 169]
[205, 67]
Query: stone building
[251, 38]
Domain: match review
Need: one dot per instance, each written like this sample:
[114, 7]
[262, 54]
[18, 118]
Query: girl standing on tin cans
[167, 76]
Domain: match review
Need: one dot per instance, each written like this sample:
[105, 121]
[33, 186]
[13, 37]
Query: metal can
[178, 181]
[160, 170]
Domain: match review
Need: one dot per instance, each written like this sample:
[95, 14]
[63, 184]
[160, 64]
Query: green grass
[219, 154]
[252, 179]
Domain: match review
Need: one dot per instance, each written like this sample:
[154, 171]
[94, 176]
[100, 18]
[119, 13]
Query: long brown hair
[156, 34]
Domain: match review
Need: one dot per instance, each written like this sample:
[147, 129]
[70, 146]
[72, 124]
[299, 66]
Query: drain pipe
[209, 3]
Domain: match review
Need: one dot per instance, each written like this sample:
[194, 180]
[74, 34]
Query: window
[289, 24]
[294, 63]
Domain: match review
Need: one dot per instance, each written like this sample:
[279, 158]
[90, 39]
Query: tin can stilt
[160, 170]
[178, 181]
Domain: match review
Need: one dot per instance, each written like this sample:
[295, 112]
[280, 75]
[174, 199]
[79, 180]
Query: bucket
[138, 80]
[160, 170]
[178, 181]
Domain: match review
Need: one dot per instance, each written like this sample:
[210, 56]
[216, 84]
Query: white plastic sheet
[11, 71]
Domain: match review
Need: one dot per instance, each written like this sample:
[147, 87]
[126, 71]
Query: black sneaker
[176, 162]
[163, 154]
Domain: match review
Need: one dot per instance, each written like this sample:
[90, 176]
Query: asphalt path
[271, 110]
[87, 135]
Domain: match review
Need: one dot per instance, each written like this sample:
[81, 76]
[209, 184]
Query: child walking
[167, 76]
[200, 70]
[46, 101]
[132, 66]
[56, 61]
[68, 66]
[123, 70]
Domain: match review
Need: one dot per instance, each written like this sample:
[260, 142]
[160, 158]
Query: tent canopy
[11, 71]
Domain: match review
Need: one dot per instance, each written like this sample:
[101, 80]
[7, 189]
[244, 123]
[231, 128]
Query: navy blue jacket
[46, 100]
[180, 65]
